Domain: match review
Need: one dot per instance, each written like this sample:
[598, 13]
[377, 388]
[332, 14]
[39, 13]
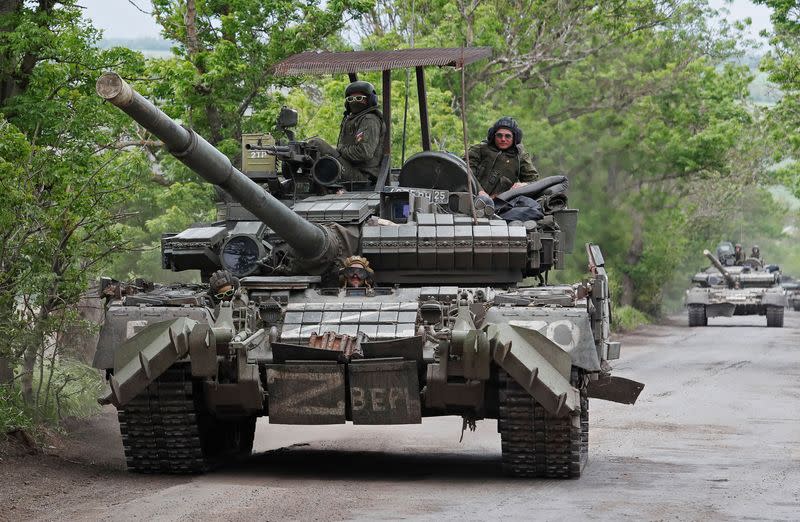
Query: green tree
[781, 64]
[63, 186]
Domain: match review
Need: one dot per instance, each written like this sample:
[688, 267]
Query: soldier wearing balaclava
[360, 145]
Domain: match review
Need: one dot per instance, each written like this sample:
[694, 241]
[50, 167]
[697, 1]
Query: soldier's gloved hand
[323, 147]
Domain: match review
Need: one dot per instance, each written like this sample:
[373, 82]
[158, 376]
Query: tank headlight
[714, 280]
[241, 254]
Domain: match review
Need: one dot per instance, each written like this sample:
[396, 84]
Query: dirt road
[715, 436]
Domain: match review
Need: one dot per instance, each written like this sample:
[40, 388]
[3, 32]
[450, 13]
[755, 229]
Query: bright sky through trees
[126, 19]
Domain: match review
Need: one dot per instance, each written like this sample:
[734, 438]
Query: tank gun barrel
[714, 261]
[309, 240]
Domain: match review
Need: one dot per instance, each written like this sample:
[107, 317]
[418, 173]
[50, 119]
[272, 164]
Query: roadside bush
[12, 413]
[627, 318]
[72, 391]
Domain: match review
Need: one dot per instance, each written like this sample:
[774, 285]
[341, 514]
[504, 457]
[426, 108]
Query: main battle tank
[725, 291]
[444, 330]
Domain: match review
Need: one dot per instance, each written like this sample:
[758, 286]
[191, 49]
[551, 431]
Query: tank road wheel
[775, 317]
[697, 315]
[166, 430]
[536, 443]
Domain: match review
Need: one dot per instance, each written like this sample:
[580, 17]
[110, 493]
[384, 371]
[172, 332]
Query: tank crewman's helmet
[506, 122]
[222, 285]
[356, 267]
[365, 87]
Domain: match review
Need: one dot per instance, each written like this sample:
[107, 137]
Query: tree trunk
[28, 364]
[8, 85]
[6, 372]
[634, 255]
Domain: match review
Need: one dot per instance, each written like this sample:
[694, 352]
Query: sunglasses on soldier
[223, 295]
[356, 98]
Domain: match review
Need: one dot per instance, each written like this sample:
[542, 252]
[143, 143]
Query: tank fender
[774, 299]
[615, 389]
[569, 328]
[697, 296]
[145, 356]
[122, 322]
[538, 364]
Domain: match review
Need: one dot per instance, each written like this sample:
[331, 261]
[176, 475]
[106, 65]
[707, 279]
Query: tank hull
[336, 356]
[704, 303]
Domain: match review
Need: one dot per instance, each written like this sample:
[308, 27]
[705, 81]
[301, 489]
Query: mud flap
[307, 392]
[145, 356]
[720, 310]
[384, 392]
[538, 364]
[615, 389]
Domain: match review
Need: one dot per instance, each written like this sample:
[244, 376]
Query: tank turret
[308, 240]
[714, 261]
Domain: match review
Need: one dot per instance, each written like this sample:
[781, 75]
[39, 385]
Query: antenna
[408, 76]
[464, 128]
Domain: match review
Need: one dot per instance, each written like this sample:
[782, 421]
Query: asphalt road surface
[715, 436]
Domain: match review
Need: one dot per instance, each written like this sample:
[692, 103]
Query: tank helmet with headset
[506, 122]
[363, 87]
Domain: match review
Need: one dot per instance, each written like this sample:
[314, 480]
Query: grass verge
[627, 318]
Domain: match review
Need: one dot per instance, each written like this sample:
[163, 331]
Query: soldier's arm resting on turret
[366, 141]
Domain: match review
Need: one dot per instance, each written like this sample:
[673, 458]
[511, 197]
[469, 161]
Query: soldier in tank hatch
[356, 273]
[755, 252]
[222, 285]
[738, 254]
[360, 145]
[500, 162]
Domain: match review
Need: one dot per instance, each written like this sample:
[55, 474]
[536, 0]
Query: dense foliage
[644, 105]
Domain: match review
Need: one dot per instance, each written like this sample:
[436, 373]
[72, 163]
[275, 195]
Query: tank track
[164, 431]
[536, 443]
[774, 316]
[697, 315]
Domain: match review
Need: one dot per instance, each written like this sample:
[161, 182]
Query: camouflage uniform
[738, 255]
[497, 170]
[360, 146]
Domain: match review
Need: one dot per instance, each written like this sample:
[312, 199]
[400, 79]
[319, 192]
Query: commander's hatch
[353, 62]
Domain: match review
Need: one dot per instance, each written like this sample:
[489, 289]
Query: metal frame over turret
[443, 328]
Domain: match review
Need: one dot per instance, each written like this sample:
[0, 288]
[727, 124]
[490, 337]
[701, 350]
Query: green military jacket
[361, 141]
[497, 170]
